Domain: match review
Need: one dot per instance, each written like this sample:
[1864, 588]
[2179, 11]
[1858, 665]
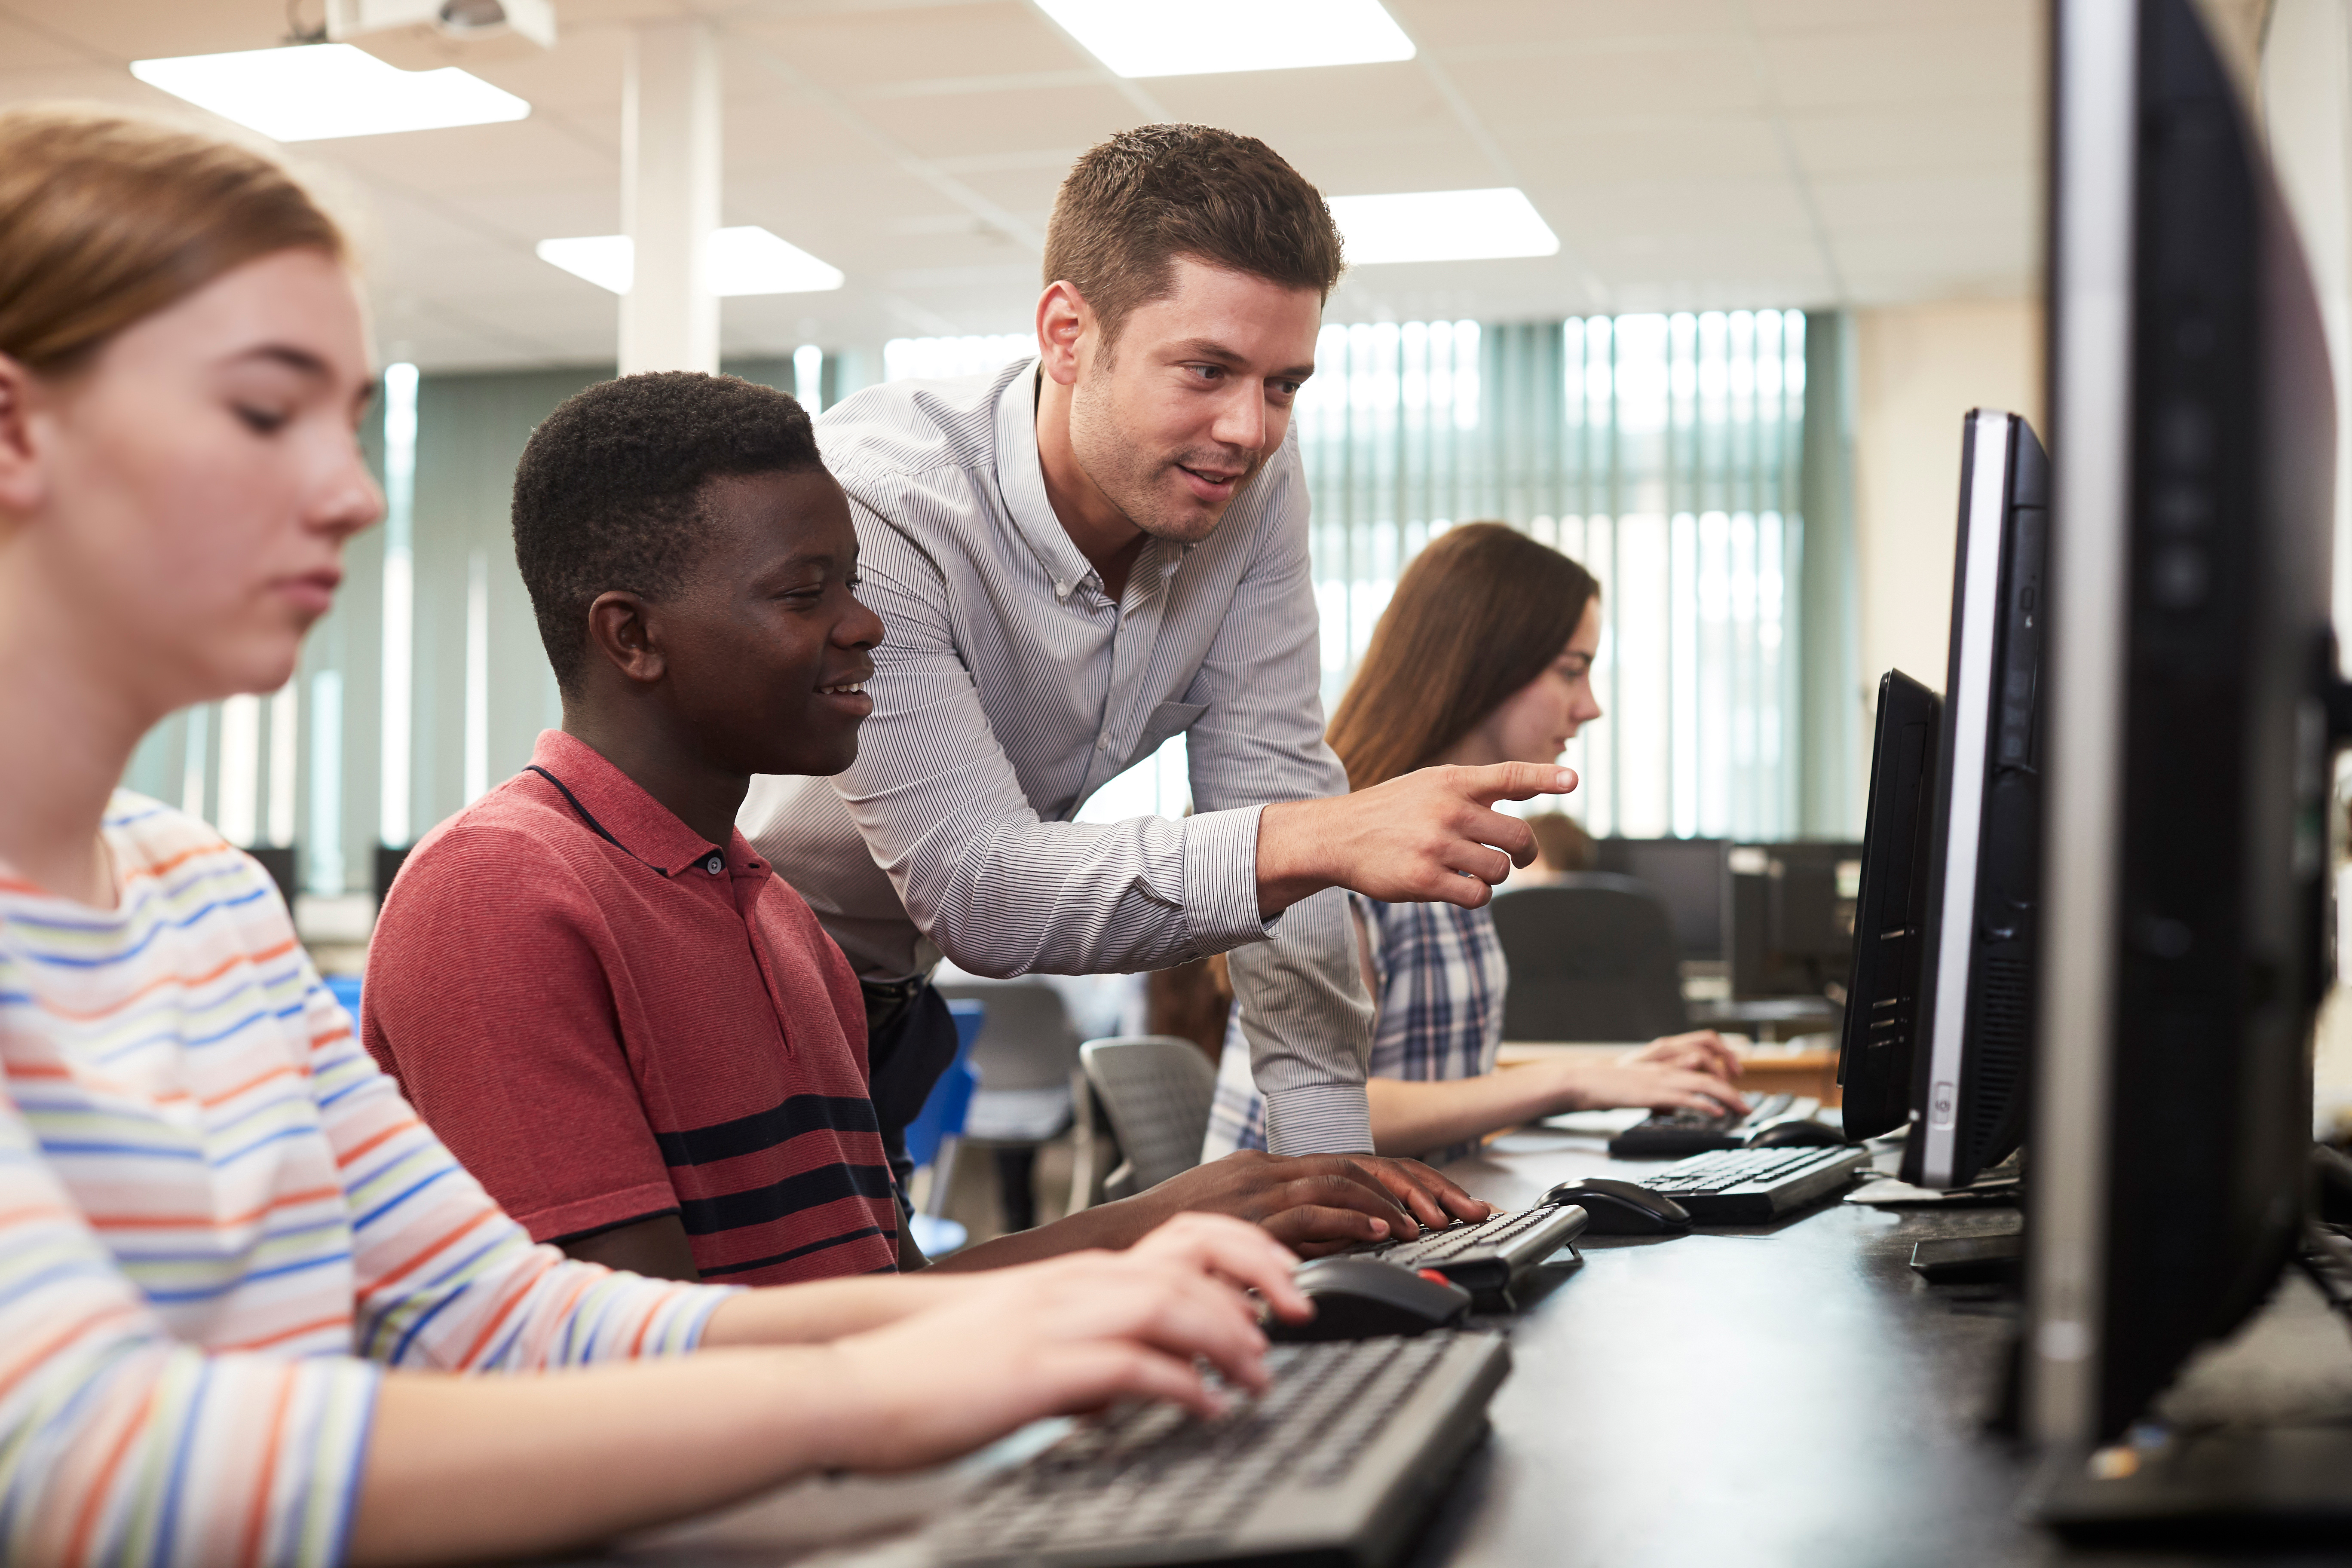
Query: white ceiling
[1689, 153]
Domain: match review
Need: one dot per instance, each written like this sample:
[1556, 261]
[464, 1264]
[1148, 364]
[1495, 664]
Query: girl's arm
[1415, 1116]
[463, 1468]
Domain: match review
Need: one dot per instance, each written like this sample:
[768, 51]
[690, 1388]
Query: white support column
[669, 196]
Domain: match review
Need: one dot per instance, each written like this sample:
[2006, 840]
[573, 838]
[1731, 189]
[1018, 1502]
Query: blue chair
[932, 1136]
[345, 989]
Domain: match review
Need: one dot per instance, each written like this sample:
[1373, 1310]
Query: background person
[1078, 558]
[235, 1268]
[1483, 655]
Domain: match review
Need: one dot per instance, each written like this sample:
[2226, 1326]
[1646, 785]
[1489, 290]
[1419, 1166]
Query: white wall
[1919, 369]
[2307, 86]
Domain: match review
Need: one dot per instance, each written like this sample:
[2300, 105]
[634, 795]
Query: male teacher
[1076, 559]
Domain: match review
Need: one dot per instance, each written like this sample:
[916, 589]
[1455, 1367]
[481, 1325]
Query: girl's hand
[1654, 1086]
[1702, 1050]
[1061, 1337]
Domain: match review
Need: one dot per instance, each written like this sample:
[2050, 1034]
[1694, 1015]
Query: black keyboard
[1490, 1258]
[1668, 1133]
[1339, 1460]
[1750, 1186]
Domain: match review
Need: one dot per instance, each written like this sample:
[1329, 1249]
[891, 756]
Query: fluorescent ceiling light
[309, 92]
[1441, 225]
[1192, 38]
[607, 261]
[747, 260]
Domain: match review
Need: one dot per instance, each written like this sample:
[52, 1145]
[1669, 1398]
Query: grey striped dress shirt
[1010, 689]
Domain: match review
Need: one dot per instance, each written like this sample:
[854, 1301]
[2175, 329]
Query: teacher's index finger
[1517, 781]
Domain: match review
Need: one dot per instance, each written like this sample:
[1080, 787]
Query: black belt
[886, 1000]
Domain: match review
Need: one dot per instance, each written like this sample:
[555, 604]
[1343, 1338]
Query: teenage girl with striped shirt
[1484, 655]
[236, 1271]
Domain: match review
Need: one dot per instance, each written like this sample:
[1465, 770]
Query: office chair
[1592, 957]
[1023, 1056]
[1156, 1091]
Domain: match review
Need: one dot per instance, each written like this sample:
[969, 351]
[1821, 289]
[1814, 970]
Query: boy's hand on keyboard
[1067, 1335]
[1701, 1050]
[1318, 1203]
[1436, 1201]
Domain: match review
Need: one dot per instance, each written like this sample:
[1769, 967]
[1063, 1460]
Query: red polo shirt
[607, 1018]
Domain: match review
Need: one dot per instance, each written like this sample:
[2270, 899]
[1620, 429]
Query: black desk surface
[1782, 1395]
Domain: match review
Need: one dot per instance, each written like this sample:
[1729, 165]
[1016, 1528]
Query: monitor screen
[1686, 873]
[1789, 917]
[2192, 423]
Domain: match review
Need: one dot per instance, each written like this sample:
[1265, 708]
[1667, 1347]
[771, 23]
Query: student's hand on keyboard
[1318, 1203]
[1654, 1086]
[1701, 1050]
[1067, 1335]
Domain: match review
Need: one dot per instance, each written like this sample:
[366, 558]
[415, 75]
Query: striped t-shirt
[215, 1214]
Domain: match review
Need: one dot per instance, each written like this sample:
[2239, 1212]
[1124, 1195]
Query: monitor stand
[2262, 1483]
[2234, 1486]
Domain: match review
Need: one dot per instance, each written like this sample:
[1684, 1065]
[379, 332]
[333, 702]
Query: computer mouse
[1620, 1208]
[1797, 1135]
[1358, 1298]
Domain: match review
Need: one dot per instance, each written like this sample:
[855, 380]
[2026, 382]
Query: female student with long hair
[1484, 655]
[235, 1268]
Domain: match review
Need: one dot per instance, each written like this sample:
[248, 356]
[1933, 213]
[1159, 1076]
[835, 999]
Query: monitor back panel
[1977, 992]
[1890, 914]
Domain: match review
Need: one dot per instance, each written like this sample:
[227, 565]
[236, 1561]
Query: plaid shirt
[1438, 977]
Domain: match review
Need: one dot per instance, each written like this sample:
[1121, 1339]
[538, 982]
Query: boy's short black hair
[607, 495]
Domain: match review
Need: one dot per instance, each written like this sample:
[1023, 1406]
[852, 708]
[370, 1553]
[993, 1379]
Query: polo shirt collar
[1020, 480]
[634, 820]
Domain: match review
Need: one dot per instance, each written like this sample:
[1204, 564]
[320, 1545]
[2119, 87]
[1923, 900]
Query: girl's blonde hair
[106, 218]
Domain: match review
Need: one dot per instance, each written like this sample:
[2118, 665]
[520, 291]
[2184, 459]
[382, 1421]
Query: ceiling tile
[1904, 139]
[848, 50]
[2003, 201]
[1539, 90]
[1907, 66]
[1487, 25]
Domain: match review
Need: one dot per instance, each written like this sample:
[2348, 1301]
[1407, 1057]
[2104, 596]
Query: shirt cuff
[1319, 1118]
[1220, 880]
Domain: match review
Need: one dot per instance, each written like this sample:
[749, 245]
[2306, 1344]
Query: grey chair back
[1592, 957]
[1156, 1090]
[1023, 1056]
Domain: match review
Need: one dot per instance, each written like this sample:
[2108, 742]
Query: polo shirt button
[714, 865]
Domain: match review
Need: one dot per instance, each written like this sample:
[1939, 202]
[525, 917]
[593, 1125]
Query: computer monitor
[1976, 988]
[1687, 873]
[1875, 1056]
[1788, 917]
[2188, 677]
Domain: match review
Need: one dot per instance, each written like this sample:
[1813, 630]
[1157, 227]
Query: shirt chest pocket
[1167, 720]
